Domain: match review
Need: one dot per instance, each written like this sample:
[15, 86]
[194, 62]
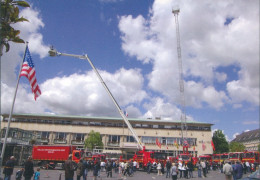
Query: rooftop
[82, 118]
[247, 136]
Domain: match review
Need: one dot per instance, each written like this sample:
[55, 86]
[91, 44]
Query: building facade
[250, 139]
[117, 139]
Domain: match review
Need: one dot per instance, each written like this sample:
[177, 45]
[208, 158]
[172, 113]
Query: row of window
[108, 124]
[112, 139]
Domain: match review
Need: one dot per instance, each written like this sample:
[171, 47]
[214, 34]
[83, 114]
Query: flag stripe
[28, 71]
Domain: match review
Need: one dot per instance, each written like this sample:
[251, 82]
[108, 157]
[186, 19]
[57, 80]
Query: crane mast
[181, 81]
[53, 52]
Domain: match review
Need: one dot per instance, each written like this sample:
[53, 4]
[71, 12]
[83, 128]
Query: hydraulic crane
[53, 52]
[181, 83]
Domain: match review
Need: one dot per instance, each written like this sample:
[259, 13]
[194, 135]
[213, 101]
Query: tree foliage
[220, 142]
[236, 147]
[94, 140]
[10, 15]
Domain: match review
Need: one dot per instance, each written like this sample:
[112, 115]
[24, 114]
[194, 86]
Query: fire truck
[49, 156]
[206, 157]
[143, 157]
[235, 156]
[186, 157]
[216, 158]
[251, 157]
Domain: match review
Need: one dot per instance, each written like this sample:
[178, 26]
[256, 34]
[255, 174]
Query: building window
[130, 139]
[79, 137]
[61, 135]
[114, 139]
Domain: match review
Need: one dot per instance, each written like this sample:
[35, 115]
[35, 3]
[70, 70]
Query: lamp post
[53, 52]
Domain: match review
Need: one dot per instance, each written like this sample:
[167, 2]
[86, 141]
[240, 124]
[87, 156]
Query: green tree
[236, 147]
[220, 142]
[10, 15]
[94, 139]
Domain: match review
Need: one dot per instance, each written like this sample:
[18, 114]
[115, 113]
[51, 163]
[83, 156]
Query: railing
[77, 142]
[60, 141]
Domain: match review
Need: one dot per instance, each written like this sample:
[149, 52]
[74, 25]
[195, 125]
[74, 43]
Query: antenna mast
[176, 11]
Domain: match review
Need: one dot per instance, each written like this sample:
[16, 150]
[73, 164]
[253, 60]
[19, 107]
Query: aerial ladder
[53, 52]
[176, 11]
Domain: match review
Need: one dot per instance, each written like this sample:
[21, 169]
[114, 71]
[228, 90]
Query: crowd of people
[181, 169]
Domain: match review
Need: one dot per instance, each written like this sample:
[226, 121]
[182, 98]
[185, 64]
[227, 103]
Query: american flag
[28, 71]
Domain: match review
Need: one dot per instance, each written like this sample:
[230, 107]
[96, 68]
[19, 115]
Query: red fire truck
[206, 157]
[235, 156]
[186, 157]
[48, 156]
[216, 158]
[251, 157]
[143, 157]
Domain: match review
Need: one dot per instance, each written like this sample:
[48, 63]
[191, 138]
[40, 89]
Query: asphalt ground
[59, 174]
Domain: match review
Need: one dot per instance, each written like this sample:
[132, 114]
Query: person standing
[174, 171]
[37, 174]
[28, 169]
[69, 168]
[234, 174]
[159, 168]
[190, 169]
[204, 168]
[180, 168]
[199, 169]
[149, 167]
[168, 168]
[9, 168]
[239, 169]
[227, 170]
[80, 169]
[109, 167]
[134, 165]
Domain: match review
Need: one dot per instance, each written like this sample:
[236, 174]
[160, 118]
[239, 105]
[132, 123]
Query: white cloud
[235, 135]
[206, 45]
[251, 122]
[88, 96]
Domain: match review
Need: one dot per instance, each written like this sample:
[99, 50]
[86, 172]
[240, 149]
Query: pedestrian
[234, 173]
[9, 168]
[199, 169]
[204, 168]
[185, 168]
[28, 169]
[69, 168]
[190, 169]
[149, 167]
[227, 170]
[174, 171]
[134, 165]
[95, 170]
[80, 169]
[244, 167]
[168, 168]
[180, 168]
[247, 166]
[239, 169]
[37, 174]
[19, 174]
[109, 167]
[159, 169]
[86, 167]
[131, 166]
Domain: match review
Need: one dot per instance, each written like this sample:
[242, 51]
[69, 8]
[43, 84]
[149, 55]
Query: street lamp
[53, 52]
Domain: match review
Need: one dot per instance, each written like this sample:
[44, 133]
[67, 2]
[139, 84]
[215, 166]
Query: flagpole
[11, 112]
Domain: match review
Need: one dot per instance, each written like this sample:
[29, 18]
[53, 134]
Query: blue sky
[133, 45]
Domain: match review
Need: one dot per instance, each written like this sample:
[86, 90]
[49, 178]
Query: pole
[11, 112]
